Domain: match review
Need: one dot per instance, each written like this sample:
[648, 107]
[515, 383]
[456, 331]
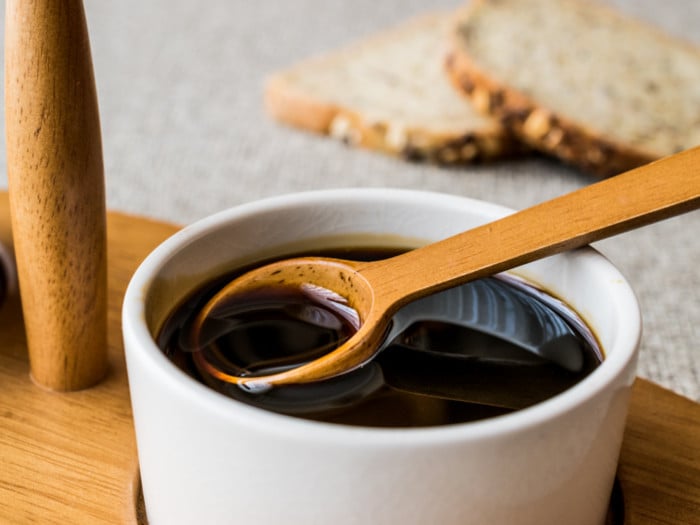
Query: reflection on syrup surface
[433, 373]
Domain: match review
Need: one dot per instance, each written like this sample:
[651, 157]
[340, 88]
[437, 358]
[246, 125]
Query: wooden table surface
[71, 458]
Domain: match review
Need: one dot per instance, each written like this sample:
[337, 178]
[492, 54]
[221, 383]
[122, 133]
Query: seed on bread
[538, 124]
[342, 129]
[396, 137]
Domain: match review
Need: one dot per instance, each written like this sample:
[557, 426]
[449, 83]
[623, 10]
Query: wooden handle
[56, 187]
[653, 192]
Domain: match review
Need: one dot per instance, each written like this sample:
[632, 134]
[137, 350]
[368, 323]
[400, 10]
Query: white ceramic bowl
[205, 458]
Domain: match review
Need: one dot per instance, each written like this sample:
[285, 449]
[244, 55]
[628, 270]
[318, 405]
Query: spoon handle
[657, 191]
[56, 190]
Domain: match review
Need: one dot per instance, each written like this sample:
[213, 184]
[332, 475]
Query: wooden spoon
[376, 290]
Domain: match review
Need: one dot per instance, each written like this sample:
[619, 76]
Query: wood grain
[660, 460]
[56, 181]
[71, 457]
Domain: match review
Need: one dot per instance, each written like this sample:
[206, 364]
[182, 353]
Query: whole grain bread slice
[579, 80]
[389, 93]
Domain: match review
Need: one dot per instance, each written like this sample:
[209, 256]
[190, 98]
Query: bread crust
[295, 108]
[290, 105]
[540, 128]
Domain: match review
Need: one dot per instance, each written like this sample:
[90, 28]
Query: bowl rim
[141, 350]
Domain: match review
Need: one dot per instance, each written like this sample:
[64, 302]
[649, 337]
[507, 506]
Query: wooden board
[71, 458]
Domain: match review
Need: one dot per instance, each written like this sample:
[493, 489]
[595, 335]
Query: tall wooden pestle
[56, 189]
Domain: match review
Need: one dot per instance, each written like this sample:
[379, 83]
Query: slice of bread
[390, 93]
[579, 80]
